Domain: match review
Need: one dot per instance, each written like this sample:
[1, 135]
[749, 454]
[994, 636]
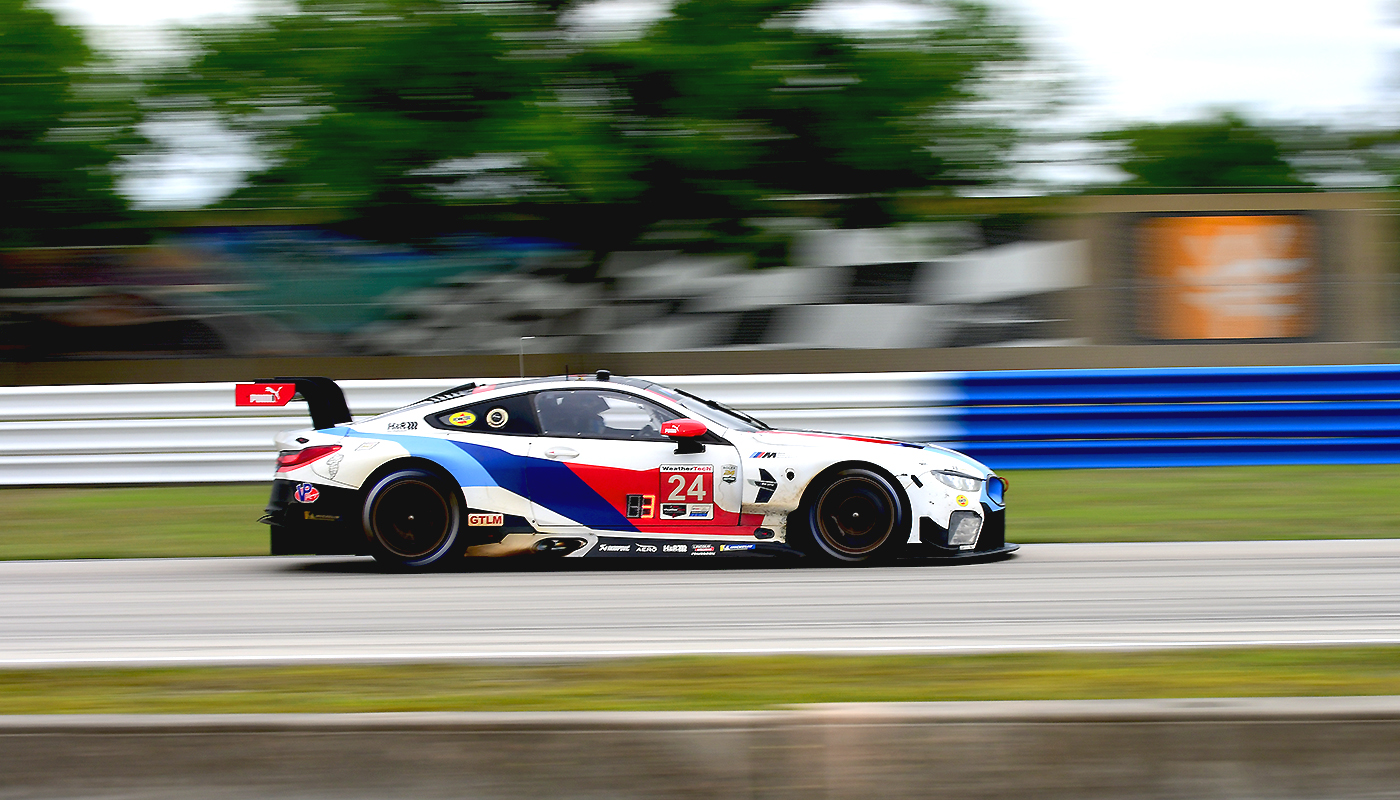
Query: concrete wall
[1334, 748]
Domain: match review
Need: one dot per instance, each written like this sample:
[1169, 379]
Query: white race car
[606, 466]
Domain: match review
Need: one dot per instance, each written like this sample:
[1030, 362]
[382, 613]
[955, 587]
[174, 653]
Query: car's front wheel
[412, 518]
[854, 515]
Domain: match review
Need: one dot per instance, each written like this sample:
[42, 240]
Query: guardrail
[1013, 419]
[1180, 417]
[192, 433]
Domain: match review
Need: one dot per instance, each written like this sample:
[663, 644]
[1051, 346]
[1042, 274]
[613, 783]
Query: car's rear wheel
[412, 518]
[855, 515]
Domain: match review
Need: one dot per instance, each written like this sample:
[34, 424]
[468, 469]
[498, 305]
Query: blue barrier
[1177, 417]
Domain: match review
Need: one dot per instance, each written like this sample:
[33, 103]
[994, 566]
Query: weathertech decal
[486, 520]
[687, 483]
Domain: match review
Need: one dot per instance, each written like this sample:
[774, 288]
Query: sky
[1135, 61]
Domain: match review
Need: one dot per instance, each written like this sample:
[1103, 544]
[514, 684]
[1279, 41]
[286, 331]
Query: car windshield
[715, 411]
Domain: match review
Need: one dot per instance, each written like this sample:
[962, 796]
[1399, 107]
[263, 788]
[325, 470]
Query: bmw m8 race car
[607, 466]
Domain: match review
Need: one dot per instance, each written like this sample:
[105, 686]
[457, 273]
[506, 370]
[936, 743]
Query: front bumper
[330, 525]
[991, 540]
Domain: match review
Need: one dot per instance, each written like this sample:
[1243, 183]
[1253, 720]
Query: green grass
[1113, 505]
[1216, 503]
[126, 522]
[699, 683]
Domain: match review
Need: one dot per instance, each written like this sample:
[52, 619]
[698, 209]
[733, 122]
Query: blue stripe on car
[467, 470]
[472, 465]
[550, 484]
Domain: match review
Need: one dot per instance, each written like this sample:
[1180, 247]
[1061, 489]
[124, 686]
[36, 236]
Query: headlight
[959, 481]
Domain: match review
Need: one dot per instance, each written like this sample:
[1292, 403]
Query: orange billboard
[1228, 277]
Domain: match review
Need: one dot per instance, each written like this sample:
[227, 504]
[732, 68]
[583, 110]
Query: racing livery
[609, 467]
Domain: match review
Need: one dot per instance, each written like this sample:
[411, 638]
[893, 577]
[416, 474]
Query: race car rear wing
[323, 397]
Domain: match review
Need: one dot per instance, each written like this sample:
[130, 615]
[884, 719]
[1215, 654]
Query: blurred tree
[389, 108]
[1223, 154]
[422, 115]
[729, 102]
[59, 126]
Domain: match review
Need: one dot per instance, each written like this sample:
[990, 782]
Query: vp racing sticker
[306, 493]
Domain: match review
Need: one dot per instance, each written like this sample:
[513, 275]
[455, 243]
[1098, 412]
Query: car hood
[887, 452]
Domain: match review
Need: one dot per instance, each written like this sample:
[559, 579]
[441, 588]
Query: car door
[487, 447]
[601, 463]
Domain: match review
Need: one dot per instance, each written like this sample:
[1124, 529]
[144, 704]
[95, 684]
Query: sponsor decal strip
[617, 547]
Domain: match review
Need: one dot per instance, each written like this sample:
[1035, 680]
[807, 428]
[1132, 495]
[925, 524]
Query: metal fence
[192, 433]
[1180, 417]
[1031, 419]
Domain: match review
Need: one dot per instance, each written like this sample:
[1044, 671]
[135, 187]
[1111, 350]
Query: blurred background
[309, 178]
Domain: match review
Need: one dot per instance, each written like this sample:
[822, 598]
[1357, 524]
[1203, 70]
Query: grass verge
[1118, 505]
[699, 683]
[133, 522]
[1205, 504]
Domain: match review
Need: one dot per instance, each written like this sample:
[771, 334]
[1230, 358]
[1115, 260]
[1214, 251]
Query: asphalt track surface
[1046, 597]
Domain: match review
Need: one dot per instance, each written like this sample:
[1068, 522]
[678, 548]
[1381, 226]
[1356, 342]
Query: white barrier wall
[192, 432]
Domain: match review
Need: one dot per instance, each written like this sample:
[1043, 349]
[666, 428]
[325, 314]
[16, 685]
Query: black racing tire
[852, 516]
[413, 519]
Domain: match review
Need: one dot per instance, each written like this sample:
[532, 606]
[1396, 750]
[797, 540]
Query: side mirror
[685, 432]
[683, 428]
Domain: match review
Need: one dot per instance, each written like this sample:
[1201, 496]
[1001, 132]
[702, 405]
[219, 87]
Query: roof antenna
[522, 354]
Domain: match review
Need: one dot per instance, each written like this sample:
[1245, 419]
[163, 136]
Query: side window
[512, 415]
[598, 414]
